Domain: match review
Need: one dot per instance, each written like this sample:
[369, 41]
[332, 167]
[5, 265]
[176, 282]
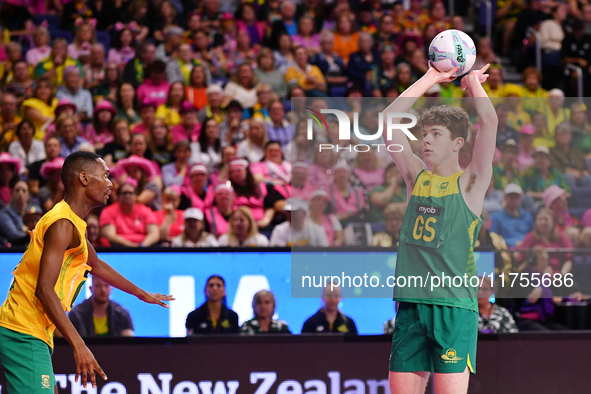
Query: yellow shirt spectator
[170, 115]
[7, 132]
[295, 75]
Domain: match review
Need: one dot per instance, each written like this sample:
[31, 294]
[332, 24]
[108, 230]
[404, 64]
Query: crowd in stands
[192, 105]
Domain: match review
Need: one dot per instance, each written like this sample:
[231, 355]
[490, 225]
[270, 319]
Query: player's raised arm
[479, 172]
[58, 239]
[406, 161]
[107, 273]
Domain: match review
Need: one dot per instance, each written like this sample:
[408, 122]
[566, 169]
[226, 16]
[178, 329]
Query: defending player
[437, 331]
[48, 279]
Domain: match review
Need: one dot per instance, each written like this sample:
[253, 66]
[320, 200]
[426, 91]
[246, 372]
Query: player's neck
[78, 204]
[447, 168]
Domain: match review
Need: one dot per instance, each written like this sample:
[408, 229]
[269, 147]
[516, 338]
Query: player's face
[100, 185]
[437, 144]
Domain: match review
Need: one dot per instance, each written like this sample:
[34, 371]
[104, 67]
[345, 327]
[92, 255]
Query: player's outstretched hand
[86, 365]
[478, 76]
[442, 76]
[156, 298]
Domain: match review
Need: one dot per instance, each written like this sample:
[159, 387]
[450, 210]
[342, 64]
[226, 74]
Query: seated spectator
[53, 191]
[300, 148]
[526, 148]
[555, 114]
[138, 146]
[196, 87]
[12, 227]
[307, 36]
[26, 148]
[147, 113]
[8, 120]
[555, 198]
[273, 169]
[283, 54]
[41, 48]
[533, 92]
[100, 131]
[512, 223]
[329, 62]
[305, 75]
[552, 34]
[506, 171]
[586, 219]
[138, 68]
[147, 189]
[155, 88]
[242, 230]
[493, 199]
[385, 35]
[160, 144]
[298, 230]
[516, 116]
[226, 60]
[242, 86]
[170, 110]
[78, 96]
[504, 131]
[263, 308]
[546, 234]
[99, 316]
[494, 85]
[537, 178]
[22, 84]
[362, 62]
[366, 172]
[170, 217]
[492, 318]
[118, 149]
[318, 215]
[34, 178]
[329, 318]
[392, 190]
[570, 160]
[222, 171]
[213, 316]
[261, 109]
[67, 132]
[485, 53]
[581, 135]
[180, 69]
[300, 187]
[106, 80]
[267, 73]
[53, 66]
[127, 222]
[253, 148]
[383, 72]
[122, 49]
[321, 173]
[219, 214]
[213, 109]
[346, 199]
[189, 128]
[194, 234]
[39, 109]
[393, 216]
[93, 232]
[278, 128]
[176, 173]
[169, 48]
[196, 193]
[126, 104]
[208, 148]
[233, 129]
[346, 40]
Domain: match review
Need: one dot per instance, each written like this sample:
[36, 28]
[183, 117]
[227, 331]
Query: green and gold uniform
[436, 328]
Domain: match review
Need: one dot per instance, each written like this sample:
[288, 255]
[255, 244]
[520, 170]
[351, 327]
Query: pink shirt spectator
[256, 204]
[35, 55]
[76, 51]
[586, 219]
[524, 160]
[279, 172]
[313, 41]
[94, 138]
[562, 242]
[319, 177]
[5, 194]
[156, 94]
[3, 56]
[177, 227]
[132, 227]
[139, 129]
[370, 179]
[121, 56]
[51, 132]
[180, 134]
[353, 204]
[196, 201]
[305, 193]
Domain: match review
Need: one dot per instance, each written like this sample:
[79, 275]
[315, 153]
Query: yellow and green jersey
[22, 311]
[438, 235]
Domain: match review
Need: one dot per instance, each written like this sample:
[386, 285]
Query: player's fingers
[483, 69]
[93, 378]
[164, 297]
[84, 376]
[100, 370]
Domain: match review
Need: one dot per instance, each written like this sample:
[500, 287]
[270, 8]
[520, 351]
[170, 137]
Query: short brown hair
[454, 118]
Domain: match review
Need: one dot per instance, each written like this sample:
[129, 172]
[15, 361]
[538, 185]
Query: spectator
[494, 84]
[261, 109]
[392, 190]
[10, 168]
[556, 114]
[213, 109]
[34, 179]
[493, 199]
[138, 68]
[267, 73]
[286, 25]
[126, 103]
[39, 109]
[155, 88]
[506, 171]
[194, 234]
[93, 232]
[95, 72]
[347, 200]
[170, 217]
[329, 62]
[85, 37]
[300, 187]
[22, 84]
[8, 120]
[170, 47]
[307, 36]
[53, 191]
[213, 316]
[329, 318]
[586, 219]
[100, 131]
[40, 49]
[318, 215]
[532, 91]
[569, 160]
[242, 86]
[99, 316]
[53, 66]
[242, 230]
[300, 148]
[298, 230]
[403, 78]
[12, 227]
[232, 128]
[159, 141]
[504, 131]
[26, 148]
[227, 61]
[512, 223]
[208, 148]
[278, 128]
[127, 222]
[263, 308]
[197, 194]
[147, 111]
[176, 173]
[485, 53]
[147, 190]
[346, 41]
[383, 72]
[196, 89]
[367, 172]
[393, 216]
[552, 34]
[139, 146]
[170, 110]
[536, 179]
[67, 131]
[575, 50]
[219, 214]
[305, 75]
[72, 91]
[189, 128]
[555, 198]
[546, 234]
[64, 107]
[246, 16]
[581, 135]
[526, 148]
[385, 35]
[492, 318]
[322, 171]
[273, 169]
[122, 49]
[253, 148]
[361, 63]
[118, 149]
[221, 173]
